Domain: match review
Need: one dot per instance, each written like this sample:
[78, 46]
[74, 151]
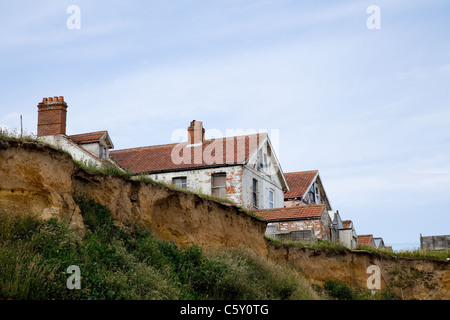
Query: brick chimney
[52, 116]
[196, 132]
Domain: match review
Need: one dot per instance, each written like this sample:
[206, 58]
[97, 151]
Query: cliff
[35, 178]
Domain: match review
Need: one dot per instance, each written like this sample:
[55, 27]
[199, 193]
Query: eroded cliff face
[35, 178]
[407, 278]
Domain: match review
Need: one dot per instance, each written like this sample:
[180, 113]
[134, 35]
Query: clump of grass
[317, 244]
[14, 134]
[105, 169]
[340, 290]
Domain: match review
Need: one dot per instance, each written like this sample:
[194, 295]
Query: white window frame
[182, 185]
[272, 202]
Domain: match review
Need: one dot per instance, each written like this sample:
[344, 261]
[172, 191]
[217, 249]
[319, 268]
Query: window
[317, 194]
[271, 199]
[102, 152]
[219, 185]
[180, 182]
[259, 160]
[255, 193]
[312, 194]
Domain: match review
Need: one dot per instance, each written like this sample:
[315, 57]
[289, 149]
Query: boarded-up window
[180, 182]
[219, 185]
[303, 235]
[255, 193]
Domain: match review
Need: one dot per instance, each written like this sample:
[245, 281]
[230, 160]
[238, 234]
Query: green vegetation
[318, 244]
[12, 134]
[129, 263]
[417, 254]
[341, 291]
[104, 169]
[324, 244]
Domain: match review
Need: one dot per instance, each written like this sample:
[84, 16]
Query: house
[90, 148]
[305, 188]
[379, 243]
[347, 235]
[343, 231]
[307, 222]
[244, 169]
[366, 240]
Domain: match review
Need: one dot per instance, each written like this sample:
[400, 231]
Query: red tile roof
[169, 157]
[299, 183]
[292, 213]
[347, 224]
[365, 239]
[90, 137]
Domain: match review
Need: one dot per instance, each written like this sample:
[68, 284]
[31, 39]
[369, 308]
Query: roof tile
[292, 213]
[90, 137]
[365, 239]
[299, 183]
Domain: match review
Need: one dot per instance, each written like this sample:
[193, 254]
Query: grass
[6, 133]
[339, 290]
[318, 244]
[416, 254]
[324, 244]
[111, 170]
[129, 263]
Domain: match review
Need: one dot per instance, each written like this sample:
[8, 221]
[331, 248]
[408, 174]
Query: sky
[362, 96]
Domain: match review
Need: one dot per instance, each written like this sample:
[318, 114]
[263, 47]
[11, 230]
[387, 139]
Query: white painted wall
[78, 153]
[200, 180]
[265, 183]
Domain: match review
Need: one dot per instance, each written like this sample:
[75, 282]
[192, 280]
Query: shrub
[338, 289]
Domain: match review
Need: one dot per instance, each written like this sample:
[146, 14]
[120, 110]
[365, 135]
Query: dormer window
[102, 154]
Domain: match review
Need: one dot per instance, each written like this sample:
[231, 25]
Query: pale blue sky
[370, 109]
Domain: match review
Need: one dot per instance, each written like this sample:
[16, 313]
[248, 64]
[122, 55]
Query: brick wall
[52, 115]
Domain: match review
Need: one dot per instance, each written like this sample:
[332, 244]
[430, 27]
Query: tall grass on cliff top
[128, 263]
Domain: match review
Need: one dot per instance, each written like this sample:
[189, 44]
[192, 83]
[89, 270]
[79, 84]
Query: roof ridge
[295, 207]
[305, 171]
[185, 142]
[80, 134]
